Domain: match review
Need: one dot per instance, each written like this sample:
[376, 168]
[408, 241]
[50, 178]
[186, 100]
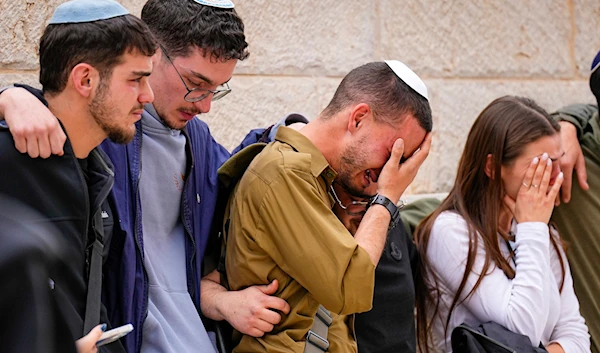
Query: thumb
[88, 342]
[271, 288]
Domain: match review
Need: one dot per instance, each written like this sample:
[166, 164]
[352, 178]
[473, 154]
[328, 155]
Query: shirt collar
[302, 144]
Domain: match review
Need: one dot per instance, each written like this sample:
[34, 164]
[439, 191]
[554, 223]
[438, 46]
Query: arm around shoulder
[252, 311]
[35, 129]
[578, 115]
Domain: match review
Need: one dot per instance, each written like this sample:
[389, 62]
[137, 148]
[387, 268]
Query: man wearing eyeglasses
[389, 326]
[165, 183]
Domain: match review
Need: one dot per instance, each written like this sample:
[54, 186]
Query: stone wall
[468, 52]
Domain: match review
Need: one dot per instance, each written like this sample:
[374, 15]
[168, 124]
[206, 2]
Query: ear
[489, 166]
[358, 115]
[85, 78]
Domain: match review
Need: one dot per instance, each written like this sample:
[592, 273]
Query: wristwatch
[390, 206]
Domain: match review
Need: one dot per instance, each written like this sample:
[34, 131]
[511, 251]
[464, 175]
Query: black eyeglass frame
[217, 94]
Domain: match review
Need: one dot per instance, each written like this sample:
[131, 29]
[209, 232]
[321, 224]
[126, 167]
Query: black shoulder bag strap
[93, 302]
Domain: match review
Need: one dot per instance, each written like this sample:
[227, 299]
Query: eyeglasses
[359, 208]
[354, 208]
[197, 94]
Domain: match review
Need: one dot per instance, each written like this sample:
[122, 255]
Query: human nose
[204, 105]
[146, 93]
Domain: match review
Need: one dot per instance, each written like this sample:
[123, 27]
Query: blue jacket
[125, 289]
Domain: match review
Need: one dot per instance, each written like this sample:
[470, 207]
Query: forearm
[554, 348]
[529, 301]
[372, 232]
[4, 101]
[210, 293]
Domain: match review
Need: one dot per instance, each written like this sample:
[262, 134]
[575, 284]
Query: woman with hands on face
[488, 253]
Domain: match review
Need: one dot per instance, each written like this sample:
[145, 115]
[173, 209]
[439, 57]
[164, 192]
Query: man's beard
[351, 161]
[104, 114]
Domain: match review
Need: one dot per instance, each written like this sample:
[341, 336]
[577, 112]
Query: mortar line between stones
[578, 78]
[424, 77]
[18, 71]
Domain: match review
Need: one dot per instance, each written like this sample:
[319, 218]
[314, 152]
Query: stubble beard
[104, 113]
[350, 162]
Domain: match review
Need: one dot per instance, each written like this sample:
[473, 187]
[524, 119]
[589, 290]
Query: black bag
[491, 337]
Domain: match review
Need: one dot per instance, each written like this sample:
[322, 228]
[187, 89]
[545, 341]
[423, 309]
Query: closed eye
[197, 84]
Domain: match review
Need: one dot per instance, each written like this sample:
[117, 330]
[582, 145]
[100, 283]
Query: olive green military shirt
[577, 221]
[282, 227]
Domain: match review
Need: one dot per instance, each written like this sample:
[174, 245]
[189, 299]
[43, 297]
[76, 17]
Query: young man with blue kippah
[580, 131]
[95, 59]
[165, 187]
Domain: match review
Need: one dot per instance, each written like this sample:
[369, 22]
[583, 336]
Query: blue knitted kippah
[596, 62]
[224, 4]
[79, 11]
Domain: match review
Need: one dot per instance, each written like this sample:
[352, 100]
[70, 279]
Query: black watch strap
[390, 206]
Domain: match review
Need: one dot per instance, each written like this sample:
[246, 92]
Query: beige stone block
[328, 37]
[25, 78]
[587, 34]
[465, 38]
[260, 102]
[134, 6]
[457, 103]
[22, 25]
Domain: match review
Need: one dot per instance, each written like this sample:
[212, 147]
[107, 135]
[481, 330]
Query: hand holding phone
[114, 334]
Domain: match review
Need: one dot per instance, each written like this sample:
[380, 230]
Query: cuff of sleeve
[566, 345]
[569, 119]
[5, 88]
[359, 281]
[533, 231]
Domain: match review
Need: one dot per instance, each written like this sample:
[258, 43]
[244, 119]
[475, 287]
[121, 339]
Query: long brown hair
[503, 129]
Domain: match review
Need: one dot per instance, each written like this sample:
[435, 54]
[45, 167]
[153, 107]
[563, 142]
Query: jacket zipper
[138, 233]
[190, 235]
[87, 226]
[103, 194]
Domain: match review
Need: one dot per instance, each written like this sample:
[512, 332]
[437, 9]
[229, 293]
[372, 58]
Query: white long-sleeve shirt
[530, 303]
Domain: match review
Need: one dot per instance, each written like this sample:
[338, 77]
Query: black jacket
[390, 325]
[68, 199]
[29, 252]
